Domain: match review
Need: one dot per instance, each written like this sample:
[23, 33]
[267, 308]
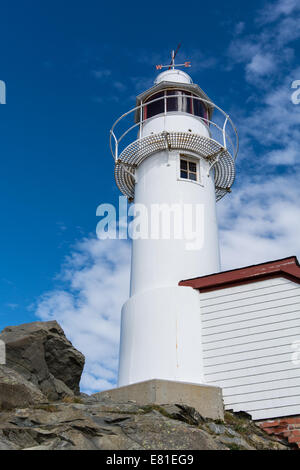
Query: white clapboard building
[250, 329]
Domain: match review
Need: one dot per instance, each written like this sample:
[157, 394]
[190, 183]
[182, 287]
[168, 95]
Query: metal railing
[115, 141]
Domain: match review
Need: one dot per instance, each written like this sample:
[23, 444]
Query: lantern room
[174, 103]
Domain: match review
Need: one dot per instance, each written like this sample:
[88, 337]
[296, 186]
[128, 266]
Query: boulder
[16, 391]
[42, 354]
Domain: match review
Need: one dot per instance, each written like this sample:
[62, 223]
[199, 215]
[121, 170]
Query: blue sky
[71, 68]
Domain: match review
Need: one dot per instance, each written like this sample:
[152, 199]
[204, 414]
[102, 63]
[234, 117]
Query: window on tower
[189, 169]
[156, 107]
[181, 102]
[174, 100]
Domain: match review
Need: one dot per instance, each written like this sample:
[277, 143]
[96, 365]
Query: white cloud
[268, 49]
[274, 124]
[94, 283]
[101, 73]
[12, 305]
[289, 155]
[274, 10]
[119, 86]
[239, 27]
[261, 64]
[260, 221]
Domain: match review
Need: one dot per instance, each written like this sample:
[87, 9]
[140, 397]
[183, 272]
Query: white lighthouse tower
[174, 157]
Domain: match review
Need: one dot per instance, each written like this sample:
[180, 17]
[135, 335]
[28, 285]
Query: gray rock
[99, 426]
[42, 354]
[153, 431]
[5, 444]
[184, 413]
[236, 443]
[16, 391]
[216, 428]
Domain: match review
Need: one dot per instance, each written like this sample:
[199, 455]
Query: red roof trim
[287, 267]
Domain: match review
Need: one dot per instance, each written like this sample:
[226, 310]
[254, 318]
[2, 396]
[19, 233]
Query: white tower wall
[174, 122]
[161, 336]
[164, 262]
[161, 324]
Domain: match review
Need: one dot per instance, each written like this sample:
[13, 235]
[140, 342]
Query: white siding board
[251, 286]
[244, 338]
[223, 351]
[253, 371]
[259, 332]
[284, 392]
[255, 379]
[258, 294]
[263, 301]
[262, 387]
[219, 318]
[266, 354]
[219, 327]
[268, 413]
[253, 363]
[248, 332]
[269, 403]
[235, 310]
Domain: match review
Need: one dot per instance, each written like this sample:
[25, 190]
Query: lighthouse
[174, 159]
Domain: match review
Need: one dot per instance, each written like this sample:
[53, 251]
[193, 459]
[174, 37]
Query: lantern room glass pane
[176, 100]
[181, 102]
[155, 108]
[172, 103]
[199, 108]
[184, 103]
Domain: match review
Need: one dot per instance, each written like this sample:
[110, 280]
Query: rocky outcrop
[43, 356]
[93, 425]
[16, 391]
[40, 407]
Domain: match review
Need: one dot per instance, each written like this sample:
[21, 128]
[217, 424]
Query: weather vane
[172, 65]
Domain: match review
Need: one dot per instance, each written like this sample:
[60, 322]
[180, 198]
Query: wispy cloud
[101, 73]
[121, 87]
[260, 221]
[261, 64]
[265, 52]
[278, 9]
[12, 305]
[239, 27]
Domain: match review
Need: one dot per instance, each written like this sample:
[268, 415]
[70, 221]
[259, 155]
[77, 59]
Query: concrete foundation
[207, 400]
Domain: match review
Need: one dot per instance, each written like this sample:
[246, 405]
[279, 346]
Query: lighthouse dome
[173, 75]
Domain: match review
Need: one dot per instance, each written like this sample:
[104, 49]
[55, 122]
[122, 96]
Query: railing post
[141, 119]
[116, 150]
[224, 131]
